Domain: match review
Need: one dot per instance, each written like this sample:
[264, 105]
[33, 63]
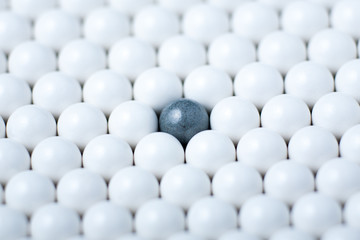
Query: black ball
[183, 119]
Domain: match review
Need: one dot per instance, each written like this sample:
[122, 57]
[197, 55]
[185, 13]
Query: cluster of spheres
[180, 119]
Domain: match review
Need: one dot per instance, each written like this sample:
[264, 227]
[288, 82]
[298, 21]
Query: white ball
[131, 56]
[206, 81]
[155, 24]
[291, 233]
[261, 148]
[54, 157]
[204, 22]
[326, 3]
[341, 232]
[80, 123]
[131, 236]
[210, 217]
[55, 91]
[181, 54]
[234, 117]
[350, 144]
[315, 213]
[31, 9]
[133, 186]
[309, 81]
[332, 48]
[258, 82]
[338, 178]
[183, 185]
[347, 79]
[29, 125]
[14, 30]
[336, 112]
[106, 154]
[159, 219]
[184, 235]
[345, 17]
[351, 211]
[130, 7]
[285, 114]
[80, 58]
[228, 5]
[106, 89]
[54, 221]
[80, 7]
[14, 158]
[209, 150]
[80, 188]
[237, 234]
[231, 52]
[235, 183]
[304, 19]
[30, 60]
[14, 223]
[313, 146]
[55, 28]
[28, 190]
[157, 87]
[176, 6]
[288, 180]
[158, 152]
[262, 215]
[277, 4]
[106, 220]
[281, 50]
[132, 120]
[14, 93]
[105, 26]
[247, 23]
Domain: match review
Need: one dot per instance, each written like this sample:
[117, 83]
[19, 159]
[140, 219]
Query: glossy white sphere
[336, 112]
[238, 234]
[309, 81]
[54, 221]
[158, 152]
[80, 58]
[351, 211]
[235, 183]
[155, 24]
[130, 7]
[106, 220]
[14, 93]
[209, 150]
[80, 123]
[105, 26]
[261, 148]
[30, 60]
[29, 125]
[181, 54]
[313, 146]
[184, 235]
[14, 158]
[350, 144]
[247, 23]
[28, 190]
[258, 82]
[132, 120]
[262, 215]
[341, 232]
[347, 79]
[234, 117]
[291, 233]
[106, 89]
[231, 52]
[304, 19]
[14, 29]
[228, 5]
[159, 219]
[281, 50]
[80, 7]
[178, 7]
[133, 186]
[54, 157]
[315, 213]
[106, 154]
[31, 9]
[285, 114]
[332, 48]
[288, 180]
[210, 217]
[345, 17]
[55, 91]
[183, 185]
[206, 81]
[14, 223]
[55, 28]
[157, 87]
[80, 188]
